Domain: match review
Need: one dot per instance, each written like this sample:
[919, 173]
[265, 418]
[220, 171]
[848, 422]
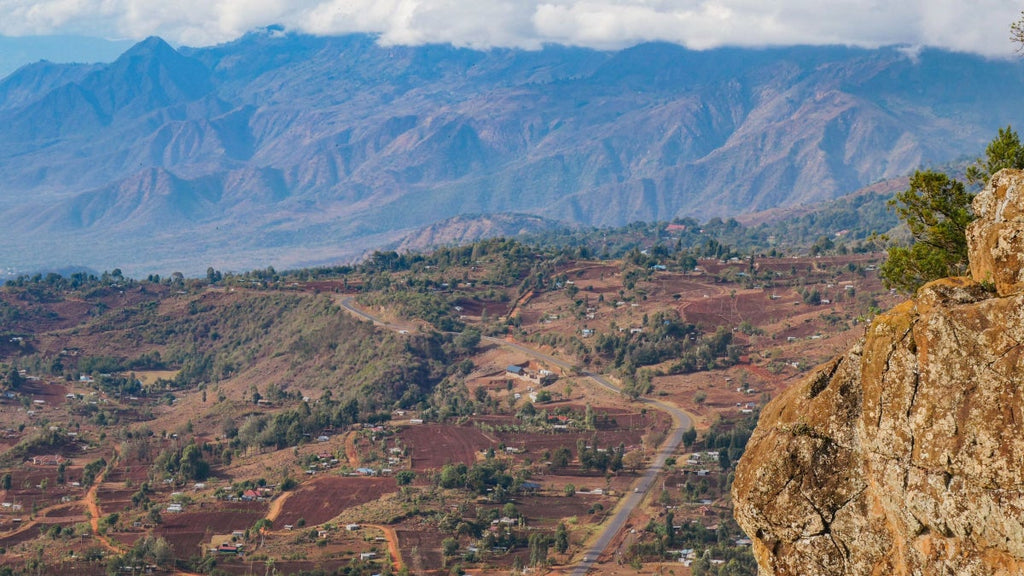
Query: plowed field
[325, 497]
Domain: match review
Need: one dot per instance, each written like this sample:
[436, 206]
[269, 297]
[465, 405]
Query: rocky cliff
[906, 454]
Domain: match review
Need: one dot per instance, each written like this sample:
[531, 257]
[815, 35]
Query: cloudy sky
[979, 26]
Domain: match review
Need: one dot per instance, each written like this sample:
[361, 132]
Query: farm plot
[614, 427]
[187, 530]
[476, 307]
[548, 511]
[421, 548]
[36, 487]
[51, 394]
[133, 470]
[433, 446]
[323, 498]
[114, 499]
[754, 306]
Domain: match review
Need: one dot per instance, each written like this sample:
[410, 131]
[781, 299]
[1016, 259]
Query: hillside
[292, 150]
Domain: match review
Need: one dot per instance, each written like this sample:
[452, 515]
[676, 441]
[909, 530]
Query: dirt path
[523, 301]
[350, 450]
[92, 506]
[392, 537]
[277, 505]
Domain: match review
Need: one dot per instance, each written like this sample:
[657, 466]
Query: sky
[976, 26]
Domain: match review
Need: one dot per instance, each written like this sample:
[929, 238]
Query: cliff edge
[906, 454]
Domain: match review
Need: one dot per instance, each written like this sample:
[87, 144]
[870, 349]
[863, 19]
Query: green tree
[937, 210]
[689, 437]
[561, 457]
[468, 339]
[1005, 151]
[538, 548]
[192, 465]
[449, 546]
[561, 538]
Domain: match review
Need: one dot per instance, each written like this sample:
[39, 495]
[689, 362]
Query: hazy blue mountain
[290, 150]
[16, 51]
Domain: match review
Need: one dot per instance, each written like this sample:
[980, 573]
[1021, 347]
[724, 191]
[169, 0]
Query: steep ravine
[906, 454]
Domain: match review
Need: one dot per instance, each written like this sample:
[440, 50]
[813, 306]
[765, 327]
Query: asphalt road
[680, 423]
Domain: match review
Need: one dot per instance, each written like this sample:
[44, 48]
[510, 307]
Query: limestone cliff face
[906, 454]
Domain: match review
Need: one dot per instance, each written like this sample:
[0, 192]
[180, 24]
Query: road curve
[681, 421]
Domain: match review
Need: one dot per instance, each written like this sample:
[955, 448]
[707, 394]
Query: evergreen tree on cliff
[937, 209]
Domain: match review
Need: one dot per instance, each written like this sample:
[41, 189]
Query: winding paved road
[681, 421]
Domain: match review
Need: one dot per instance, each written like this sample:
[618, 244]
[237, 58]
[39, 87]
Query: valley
[485, 408]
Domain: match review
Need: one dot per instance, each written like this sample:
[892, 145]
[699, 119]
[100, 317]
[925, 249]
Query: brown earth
[433, 445]
[185, 531]
[324, 497]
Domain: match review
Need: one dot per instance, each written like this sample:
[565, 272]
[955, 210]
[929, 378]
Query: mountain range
[290, 150]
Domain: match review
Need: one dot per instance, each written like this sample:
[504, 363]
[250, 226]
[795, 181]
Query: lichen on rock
[906, 454]
[995, 240]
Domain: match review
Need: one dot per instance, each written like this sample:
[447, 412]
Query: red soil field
[474, 307]
[325, 497]
[425, 543]
[435, 445]
[113, 499]
[53, 394]
[187, 530]
[549, 510]
[74, 512]
[754, 306]
[30, 534]
[137, 472]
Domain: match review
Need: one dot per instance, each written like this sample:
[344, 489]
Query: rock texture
[906, 454]
[996, 239]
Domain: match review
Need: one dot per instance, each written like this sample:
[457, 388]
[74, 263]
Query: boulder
[995, 240]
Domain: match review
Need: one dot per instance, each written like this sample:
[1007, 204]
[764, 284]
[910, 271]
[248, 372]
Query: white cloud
[980, 26]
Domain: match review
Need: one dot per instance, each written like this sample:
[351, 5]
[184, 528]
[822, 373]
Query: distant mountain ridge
[290, 150]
